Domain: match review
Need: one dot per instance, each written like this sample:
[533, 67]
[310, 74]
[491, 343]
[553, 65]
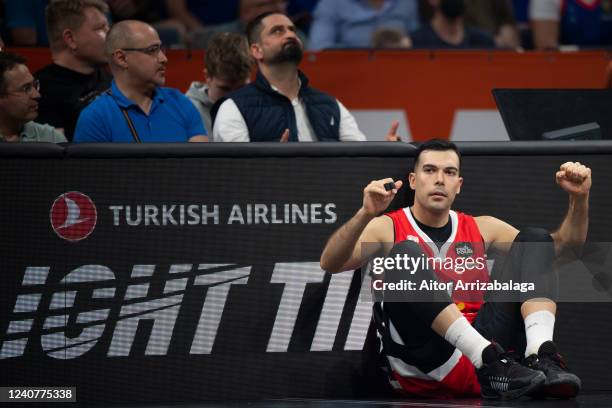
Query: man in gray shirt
[227, 67]
[19, 98]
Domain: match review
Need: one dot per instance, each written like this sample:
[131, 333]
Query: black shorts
[426, 350]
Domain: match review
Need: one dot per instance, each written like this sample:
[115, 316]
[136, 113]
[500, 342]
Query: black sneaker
[559, 382]
[502, 377]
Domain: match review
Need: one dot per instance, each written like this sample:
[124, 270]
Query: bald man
[137, 108]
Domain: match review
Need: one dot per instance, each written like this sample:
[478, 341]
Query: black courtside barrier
[190, 272]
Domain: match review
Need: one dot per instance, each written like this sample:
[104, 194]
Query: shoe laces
[553, 358]
[508, 357]
[508, 360]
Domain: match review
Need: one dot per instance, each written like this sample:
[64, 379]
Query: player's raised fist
[575, 178]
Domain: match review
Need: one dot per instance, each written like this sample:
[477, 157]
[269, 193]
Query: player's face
[436, 180]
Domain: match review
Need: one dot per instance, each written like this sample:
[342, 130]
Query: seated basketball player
[445, 345]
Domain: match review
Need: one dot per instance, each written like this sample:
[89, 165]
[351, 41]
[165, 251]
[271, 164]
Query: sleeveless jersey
[456, 377]
[461, 258]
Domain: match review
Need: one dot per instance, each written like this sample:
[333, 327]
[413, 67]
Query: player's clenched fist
[376, 198]
[575, 178]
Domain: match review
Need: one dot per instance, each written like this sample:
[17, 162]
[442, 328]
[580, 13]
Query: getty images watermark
[462, 271]
[406, 278]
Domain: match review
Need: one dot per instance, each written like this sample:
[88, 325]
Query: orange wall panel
[429, 86]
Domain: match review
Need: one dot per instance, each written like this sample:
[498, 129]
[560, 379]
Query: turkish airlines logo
[73, 216]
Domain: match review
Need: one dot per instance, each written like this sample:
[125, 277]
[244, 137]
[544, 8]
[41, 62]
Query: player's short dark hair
[8, 61]
[440, 145]
[253, 29]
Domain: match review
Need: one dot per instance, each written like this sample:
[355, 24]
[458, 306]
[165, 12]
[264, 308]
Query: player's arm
[575, 179]
[344, 248]
[496, 233]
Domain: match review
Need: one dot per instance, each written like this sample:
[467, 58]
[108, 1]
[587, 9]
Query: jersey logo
[464, 249]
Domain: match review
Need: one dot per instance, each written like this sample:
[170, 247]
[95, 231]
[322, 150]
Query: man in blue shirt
[352, 23]
[137, 108]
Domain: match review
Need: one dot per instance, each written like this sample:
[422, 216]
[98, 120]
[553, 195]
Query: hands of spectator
[285, 137]
[392, 135]
[198, 139]
[508, 37]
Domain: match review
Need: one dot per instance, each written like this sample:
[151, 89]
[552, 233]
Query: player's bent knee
[533, 234]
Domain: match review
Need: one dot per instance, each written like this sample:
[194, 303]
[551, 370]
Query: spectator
[248, 10]
[172, 32]
[227, 67]
[19, 104]
[352, 23]
[447, 29]
[137, 108]
[280, 104]
[497, 18]
[196, 14]
[25, 20]
[573, 22]
[300, 12]
[390, 38]
[77, 30]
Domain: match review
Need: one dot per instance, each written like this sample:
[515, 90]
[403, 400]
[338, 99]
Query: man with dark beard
[447, 29]
[280, 105]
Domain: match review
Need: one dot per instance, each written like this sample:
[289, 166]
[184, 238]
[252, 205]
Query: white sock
[539, 327]
[462, 335]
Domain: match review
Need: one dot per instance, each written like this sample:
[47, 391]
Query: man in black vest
[280, 104]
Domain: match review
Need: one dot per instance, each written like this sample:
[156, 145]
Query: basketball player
[442, 345]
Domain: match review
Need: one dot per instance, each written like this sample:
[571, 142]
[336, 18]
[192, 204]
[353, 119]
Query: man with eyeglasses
[77, 31]
[137, 108]
[19, 98]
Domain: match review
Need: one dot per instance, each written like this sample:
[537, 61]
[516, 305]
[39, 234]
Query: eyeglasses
[26, 89]
[152, 50]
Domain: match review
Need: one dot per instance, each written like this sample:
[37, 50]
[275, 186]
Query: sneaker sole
[536, 383]
[567, 388]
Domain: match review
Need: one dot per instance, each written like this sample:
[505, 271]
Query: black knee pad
[407, 247]
[426, 303]
[413, 250]
[532, 234]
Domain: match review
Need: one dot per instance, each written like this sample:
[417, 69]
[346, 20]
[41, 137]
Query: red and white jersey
[461, 258]
[456, 377]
